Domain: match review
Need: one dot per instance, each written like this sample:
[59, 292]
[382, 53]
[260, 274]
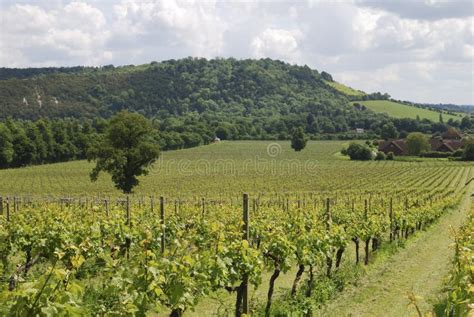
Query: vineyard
[189, 242]
[459, 291]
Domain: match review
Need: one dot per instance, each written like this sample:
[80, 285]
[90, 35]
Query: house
[398, 147]
[445, 145]
[359, 130]
[216, 139]
[451, 134]
[437, 144]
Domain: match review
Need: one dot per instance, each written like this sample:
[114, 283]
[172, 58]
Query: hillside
[398, 110]
[256, 88]
[192, 100]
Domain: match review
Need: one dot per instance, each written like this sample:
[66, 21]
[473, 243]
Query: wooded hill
[240, 99]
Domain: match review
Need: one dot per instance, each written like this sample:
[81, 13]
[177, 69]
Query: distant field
[398, 110]
[345, 89]
[229, 167]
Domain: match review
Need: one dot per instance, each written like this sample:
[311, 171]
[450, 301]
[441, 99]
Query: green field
[397, 110]
[345, 89]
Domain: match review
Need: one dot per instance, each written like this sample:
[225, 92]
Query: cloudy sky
[419, 50]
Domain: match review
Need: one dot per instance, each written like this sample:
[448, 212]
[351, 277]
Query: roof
[450, 144]
[399, 144]
[451, 134]
[436, 144]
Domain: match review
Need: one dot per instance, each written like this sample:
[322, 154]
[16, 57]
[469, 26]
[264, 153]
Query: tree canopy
[298, 139]
[126, 151]
[416, 143]
[359, 152]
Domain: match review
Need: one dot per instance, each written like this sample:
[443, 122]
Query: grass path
[421, 266]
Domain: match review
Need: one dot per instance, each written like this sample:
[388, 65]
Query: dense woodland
[190, 101]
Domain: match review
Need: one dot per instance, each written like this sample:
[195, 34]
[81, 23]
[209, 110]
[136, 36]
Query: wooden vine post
[162, 222]
[203, 204]
[246, 236]
[152, 204]
[390, 214]
[129, 221]
[1, 205]
[367, 240]
[7, 202]
[328, 229]
[328, 215]
[107, 208]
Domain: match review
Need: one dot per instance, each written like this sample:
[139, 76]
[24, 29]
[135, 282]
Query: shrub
[344, 151]
[390, 156]
[359, 152]
[435, 154]
[468, 154]
[380, 156]
[458, 153]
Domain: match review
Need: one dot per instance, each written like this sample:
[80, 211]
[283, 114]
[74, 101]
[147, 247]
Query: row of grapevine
[127, 257]
[459, 289]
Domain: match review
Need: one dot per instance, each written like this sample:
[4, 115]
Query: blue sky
[420, 50]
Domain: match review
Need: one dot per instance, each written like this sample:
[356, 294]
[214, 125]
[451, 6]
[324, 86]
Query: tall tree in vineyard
[298, 139]
[126, 151]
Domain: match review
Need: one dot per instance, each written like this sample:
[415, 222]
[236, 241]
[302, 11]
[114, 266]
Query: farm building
[445, 145]
[397, 147]
[451, 143]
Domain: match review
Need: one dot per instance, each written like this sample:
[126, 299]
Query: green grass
[398, 110]
[420, 267]
[345, 89]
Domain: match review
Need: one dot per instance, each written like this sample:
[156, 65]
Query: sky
[417, 50]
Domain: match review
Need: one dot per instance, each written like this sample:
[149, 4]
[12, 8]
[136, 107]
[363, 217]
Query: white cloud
[73, 33]
[403, 47]
[277, 43]
[193, 24]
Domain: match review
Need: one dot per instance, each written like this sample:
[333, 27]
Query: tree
[126, 151]
[417, 143]
[40, 149]
[389, 131]
[298, 139]
[468, 154]
[223, 132]
[466, 122]
[326, 76]
[359, 152]
[46, 134]
[380, 156]
[24, 150]
[6, 147]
